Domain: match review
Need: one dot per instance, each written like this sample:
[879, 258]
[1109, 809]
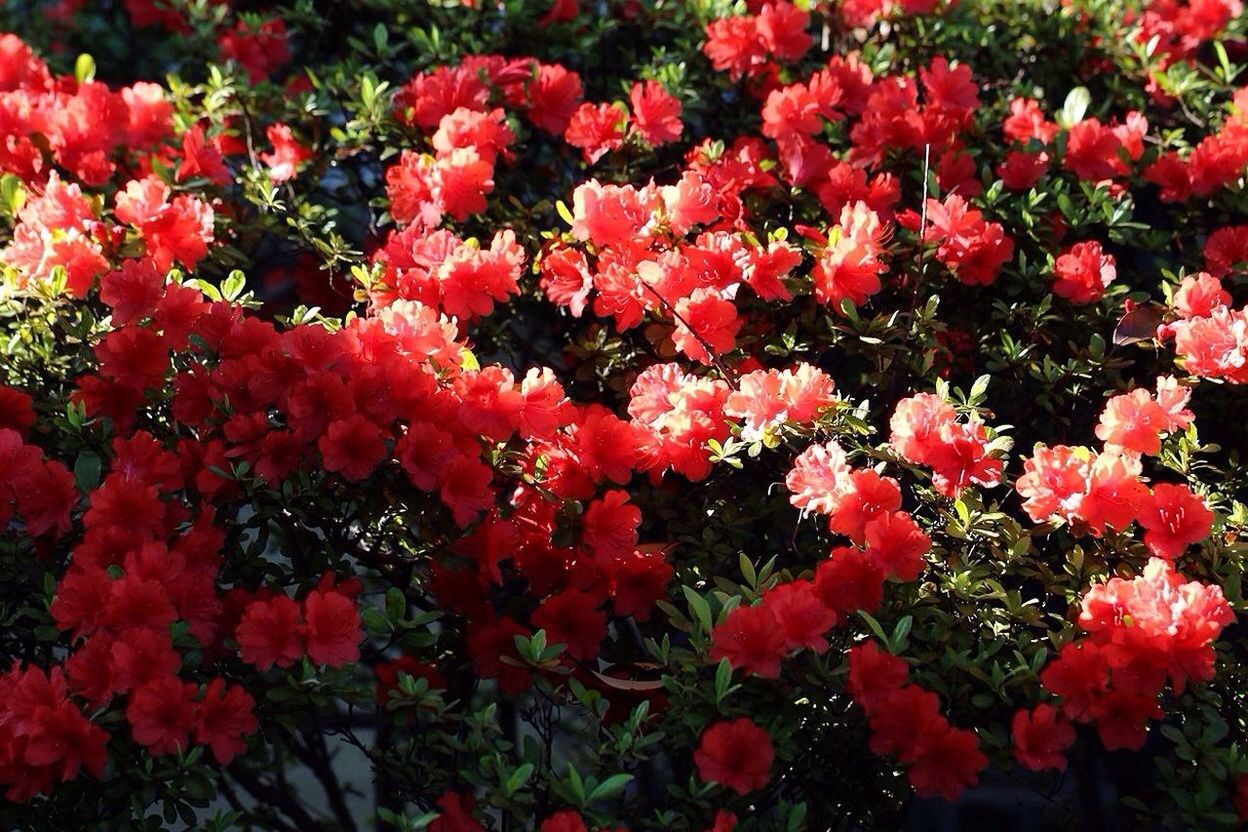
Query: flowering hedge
[621, 414]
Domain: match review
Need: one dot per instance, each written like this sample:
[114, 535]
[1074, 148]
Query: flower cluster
[1140, 632]
[906, 722]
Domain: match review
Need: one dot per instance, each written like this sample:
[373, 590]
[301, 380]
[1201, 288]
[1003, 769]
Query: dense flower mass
[651, 416]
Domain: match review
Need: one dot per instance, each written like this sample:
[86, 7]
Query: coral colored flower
[596, 129]
[287, 154]
[897, 544]
[1174, 518]
[707, 325]
[736, 754]
[1083, 272]
[820, 475]
[1041, 738]
[1199, 294]
[655, 113]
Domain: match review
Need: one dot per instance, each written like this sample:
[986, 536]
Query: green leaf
[699, 608]
[610, 787]
[87, 471]
[518, 778]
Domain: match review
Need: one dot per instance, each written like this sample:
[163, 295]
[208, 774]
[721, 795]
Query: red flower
[944, 761]
[61, 738]
[1173, 519]
[553, 98]
[736, 754]
[609, 529]
[801, 614]
[1041, 737]
[223, 719]
[287, 153]
[260, 51]
[353, 447]
[161, 715]
[656, 113]
[17, 412]
[898, 545]
[271, 632]
[332, 632]
[1083, 272]
[850, 580]
[751, 639]
[874, 674]
[565, 821]
[572, 618]
[455, 814]
[596, 129]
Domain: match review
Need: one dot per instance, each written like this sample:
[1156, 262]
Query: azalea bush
[629, 414]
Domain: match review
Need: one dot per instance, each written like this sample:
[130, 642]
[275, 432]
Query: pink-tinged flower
[287, 154]
[820, 475]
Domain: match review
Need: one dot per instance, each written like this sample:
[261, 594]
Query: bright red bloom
[271, 632]
[944, 761]
[752, 640]
[873, 674]
[455, 814]
[353, 447]
[287, 155]
[736, 754]
[897, 545]
[1041, 738]
[656, 113]
[803, 618]
[260, 51]
[609, 529]
[332, 631]
[850, 580]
